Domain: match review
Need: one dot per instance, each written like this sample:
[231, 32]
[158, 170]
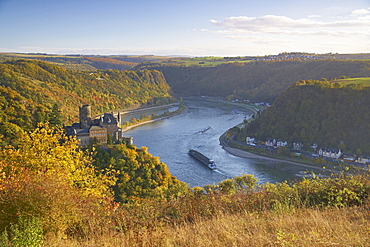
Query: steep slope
[321, 112]
[31, 89]
[256, 81]
[85, 63]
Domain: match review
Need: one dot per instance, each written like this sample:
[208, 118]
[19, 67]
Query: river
[171, 138]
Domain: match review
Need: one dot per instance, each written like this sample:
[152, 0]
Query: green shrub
[27, 232]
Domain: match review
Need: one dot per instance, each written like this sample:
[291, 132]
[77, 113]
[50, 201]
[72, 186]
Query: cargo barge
[203, 159]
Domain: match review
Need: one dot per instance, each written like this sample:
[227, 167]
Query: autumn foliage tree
[48, 177]
[140, 175]
[35, 91]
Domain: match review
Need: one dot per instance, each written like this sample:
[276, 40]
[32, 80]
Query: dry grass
[301, 227]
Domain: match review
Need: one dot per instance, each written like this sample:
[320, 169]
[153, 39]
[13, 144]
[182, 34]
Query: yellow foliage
[48, 177]
[47, 150]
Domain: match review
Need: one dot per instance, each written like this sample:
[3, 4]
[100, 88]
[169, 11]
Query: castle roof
[76, 125]
[82, 131]
[96, 128]
[109, 118]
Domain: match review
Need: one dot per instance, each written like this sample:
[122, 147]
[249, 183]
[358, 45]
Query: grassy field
[185, 61]
[364, 80]
[315, 212]
[288, 227]
[209, 61]
[36, 56]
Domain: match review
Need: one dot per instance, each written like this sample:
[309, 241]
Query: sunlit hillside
[53, 193]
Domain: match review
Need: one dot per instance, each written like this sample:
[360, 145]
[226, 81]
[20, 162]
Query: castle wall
[85, 116]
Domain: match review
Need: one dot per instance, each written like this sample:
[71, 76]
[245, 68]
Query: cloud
[365, 17]
[270, 33]
[360, 12]
[283, 24]
[201, 30]
[260, 40]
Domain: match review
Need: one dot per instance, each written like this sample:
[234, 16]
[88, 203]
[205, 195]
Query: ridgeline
[53, 193]
[34, 91]
[256, 80]
[330, 114]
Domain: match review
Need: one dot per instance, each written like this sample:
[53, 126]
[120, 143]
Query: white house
[251, 141]
[348, 157]
[270, 142]
[363, 160]
[281, 143]
[297, 145]
[330, 152]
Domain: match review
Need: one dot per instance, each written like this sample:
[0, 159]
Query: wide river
[171, 138]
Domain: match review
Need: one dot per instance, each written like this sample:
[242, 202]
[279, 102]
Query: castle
[89, 131]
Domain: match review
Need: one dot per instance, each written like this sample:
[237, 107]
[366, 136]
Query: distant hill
[85, 63]
[255, 80]
[331, 114]
[32, 91]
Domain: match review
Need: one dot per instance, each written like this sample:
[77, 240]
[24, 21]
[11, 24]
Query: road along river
[170, 139]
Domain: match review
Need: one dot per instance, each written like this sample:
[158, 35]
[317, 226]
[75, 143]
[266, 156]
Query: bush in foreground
[46, 182]
[309, 212]
[48, 178]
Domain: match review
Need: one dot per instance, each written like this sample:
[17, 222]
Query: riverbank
[248, 155]
[142, 123]
[144, 108]
[239, 104]
[180, 109]
[298, 169]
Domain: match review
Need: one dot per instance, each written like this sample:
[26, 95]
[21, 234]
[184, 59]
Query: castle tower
[119, 119]
[85, 116]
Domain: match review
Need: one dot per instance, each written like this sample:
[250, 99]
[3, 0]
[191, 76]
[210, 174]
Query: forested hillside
[32, 91]
[85, 63]
[53, 193]
[256, 81]
[329, 114]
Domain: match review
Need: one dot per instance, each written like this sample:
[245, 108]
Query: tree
[109, 139]
[140, 174]
[245, 181]
[227, 186]
[48, 177]
[55, 117]
[298, 114]
[337, 85]
[198, 191]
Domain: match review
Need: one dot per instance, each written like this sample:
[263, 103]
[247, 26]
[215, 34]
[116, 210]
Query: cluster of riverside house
[330, 154]
[96, 130]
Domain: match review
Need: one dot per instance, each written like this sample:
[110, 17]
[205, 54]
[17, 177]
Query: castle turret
[85, 116]
[119, 119]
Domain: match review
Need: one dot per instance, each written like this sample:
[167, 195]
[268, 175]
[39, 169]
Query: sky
[184, 27]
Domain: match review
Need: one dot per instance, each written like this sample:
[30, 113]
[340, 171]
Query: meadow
[300, 227]
[306, 213]
[363, 80]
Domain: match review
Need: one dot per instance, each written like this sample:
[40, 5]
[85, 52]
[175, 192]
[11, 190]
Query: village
[296, 149]
[106, 128]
